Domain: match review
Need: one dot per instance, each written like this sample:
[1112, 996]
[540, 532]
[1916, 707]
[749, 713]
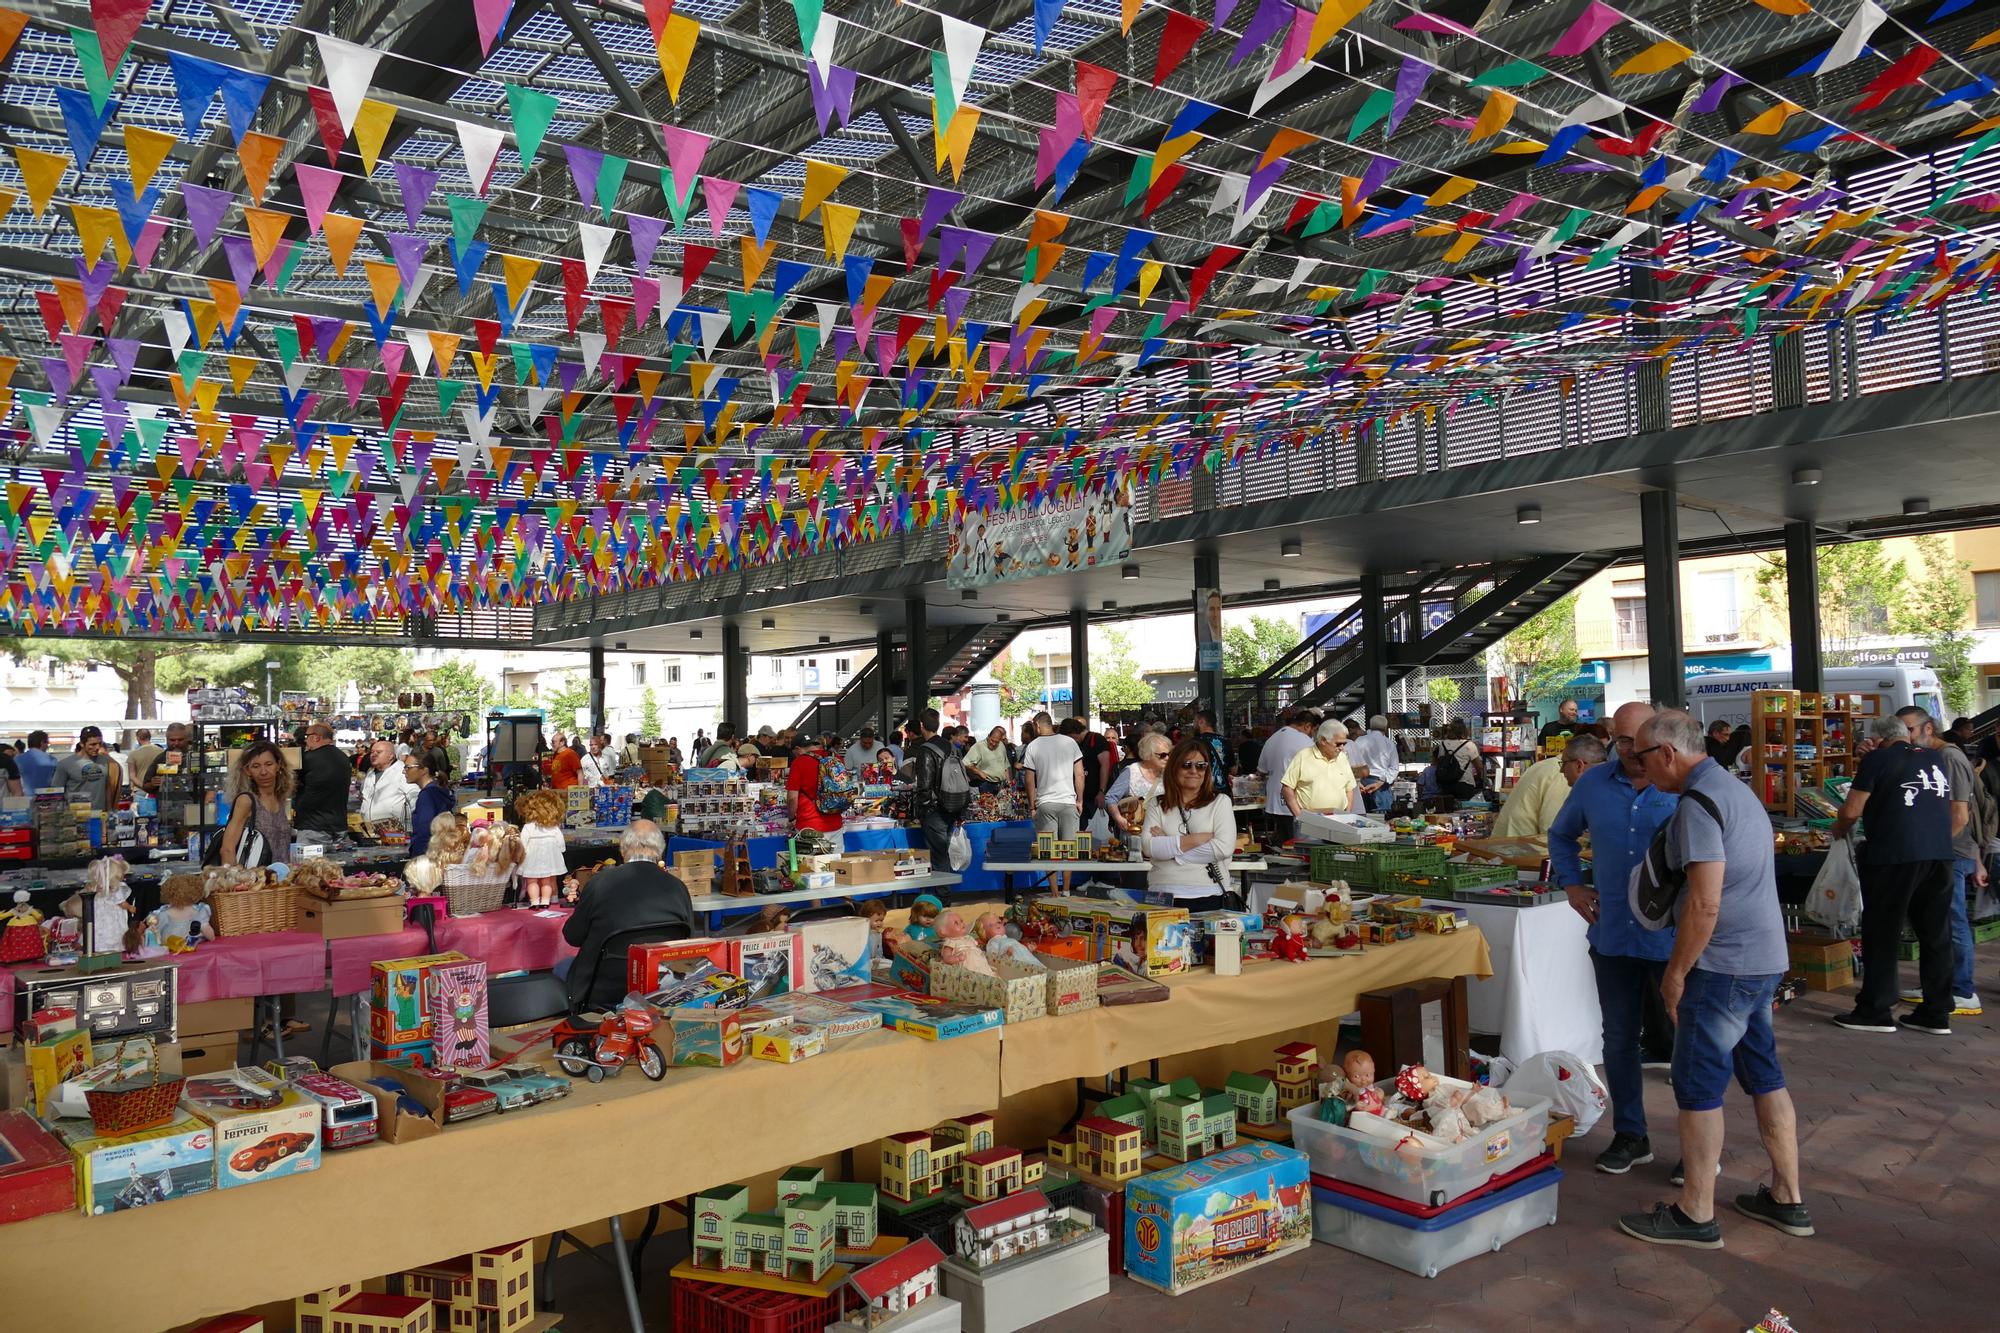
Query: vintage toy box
[768, 963]
[839, 1020]
[610, 807]
[1153, 941]
[656, 966]
[839, 952]
[400, 1001]
[857, 869]
[133, 1170]
[459, 1032]
[404, 1054]
[712, 1037]
[37, 1175]
[787, 1043]
[264, 1130]
[408, 1106]
[918, 1014]
[1216, 1215]
[52, 1062]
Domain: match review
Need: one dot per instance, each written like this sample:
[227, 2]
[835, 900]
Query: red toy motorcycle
[624, 1034]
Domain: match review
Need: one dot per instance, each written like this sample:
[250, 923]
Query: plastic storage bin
[1427, 1246]
[1424, 1177]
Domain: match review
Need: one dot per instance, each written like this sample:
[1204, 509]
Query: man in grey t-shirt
[1729, 955]
[1968, 866]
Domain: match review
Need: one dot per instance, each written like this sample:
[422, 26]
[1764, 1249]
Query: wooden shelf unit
[1781, 721]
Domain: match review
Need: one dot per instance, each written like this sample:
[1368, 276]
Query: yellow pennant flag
[1450, 190]
[343, 445]
[518, 271]
[1332, 17]
[371, 128]
[42, 172]
[1461, 247]
[1772, 119]
[240, 368]
[1657, 57]
[1149, 277]
[267, 228]
[144, 151]
[822, 178]
[1493, 117]
[957, 141]
[482, 366]
[1169, 152]
[676, 46]
[444, 346]
[96, 227]
[7, 198]
[341, 232]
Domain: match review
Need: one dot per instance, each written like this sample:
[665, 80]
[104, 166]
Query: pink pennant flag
[685, 149]
[275, 265]
[316, 189]
[353, 378]
[721, 196]
[148, 243]
[1597, 19]
[645, 295]
[391, 354]
[490, 16]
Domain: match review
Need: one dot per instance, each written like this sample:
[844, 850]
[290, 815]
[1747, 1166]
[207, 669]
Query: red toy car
[593, 1051]
[464, 1103]
[269, 1152]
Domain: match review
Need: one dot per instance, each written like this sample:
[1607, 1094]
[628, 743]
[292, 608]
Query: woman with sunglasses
[1190, 830]
[1319, 778]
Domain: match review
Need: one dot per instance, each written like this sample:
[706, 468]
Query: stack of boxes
[61, 829]
[696, 869]
[401, 1001]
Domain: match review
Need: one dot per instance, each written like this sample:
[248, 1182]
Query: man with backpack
[940, 792]
[818, 786]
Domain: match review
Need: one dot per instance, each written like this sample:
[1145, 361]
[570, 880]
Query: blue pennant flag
[83, 123]
[763, 206]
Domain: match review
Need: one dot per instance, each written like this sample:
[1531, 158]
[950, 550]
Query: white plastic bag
[1571, 1086]
[961, 850]
[1835, 900]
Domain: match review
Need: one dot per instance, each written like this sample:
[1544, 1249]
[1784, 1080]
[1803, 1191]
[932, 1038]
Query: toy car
[592, 1047]
[291, 1066]
[466, 1103]
[224, 1093]
[507, 1092]
[704, 984]
[405, 1103]
[540, 1086]
[347, 1114]
[267, 1153]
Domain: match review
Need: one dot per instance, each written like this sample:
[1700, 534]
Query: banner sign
[1052, 538]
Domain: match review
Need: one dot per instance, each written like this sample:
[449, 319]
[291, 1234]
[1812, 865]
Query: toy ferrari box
[400, 1000]
[711, 1037]
[659, 966]
[134, 1170]
[787, 1043]
[37, 1174]
[1217, 1215]
[919, 1015]
[264, 1130]
[460, 1037]
[768, 963]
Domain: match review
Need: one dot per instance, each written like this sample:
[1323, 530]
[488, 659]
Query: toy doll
[179, 923]
[542, 865]
[877, 913]
[1415, 1083]
[1359, 1067]
[958, 948]
[924, 912]
[111, 907]
[450, 841]
[991, 933]
[21, 941]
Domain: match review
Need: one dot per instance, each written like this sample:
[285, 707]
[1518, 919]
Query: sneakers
[1656, 1062]
[1962, 1006]
[1857, 1023]
[1928, 1029]
[1624, 1153]
[1668, 1225]
[1913, 995]
[1790, 1218]
[1678, 1175]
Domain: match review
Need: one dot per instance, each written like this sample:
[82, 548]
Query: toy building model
[990, 1232]
[974, 1131]
[487, 1291]
[915, 1167]
[1297, 1062]
[1255, 1096]
[1109, 1149]
[377, 1312]
[891, 1286]
[795, 1243]
[1187, 1127]
[854, 1218]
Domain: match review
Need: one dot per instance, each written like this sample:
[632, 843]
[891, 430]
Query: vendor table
[1541, 994]
[712, 906]
[1008, 869]
[513, 939]
[977, 878]
[240, 967]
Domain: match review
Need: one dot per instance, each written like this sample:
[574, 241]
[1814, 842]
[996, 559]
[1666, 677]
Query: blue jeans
[1962, 892]
[1622, 985]
[1724, 1027]
[562, 967]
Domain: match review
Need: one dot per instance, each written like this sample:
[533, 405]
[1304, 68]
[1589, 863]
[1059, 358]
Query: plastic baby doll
[774, 917]
[111, 908]
[992, 933]
[1359, 1066]
[182, 919]
[21, 940]
[542, 865]
[924, 913]
[958, 948]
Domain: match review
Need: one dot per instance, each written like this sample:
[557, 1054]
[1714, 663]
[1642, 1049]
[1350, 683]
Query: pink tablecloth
[510, 940]
[282, 963]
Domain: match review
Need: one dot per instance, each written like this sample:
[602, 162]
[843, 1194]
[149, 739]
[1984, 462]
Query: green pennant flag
[1325, 217]
[190, 366]
[90, 54]
[681, 353]
[944, 104]
[1373, 111]
[524, 362]
[533, 111]
[1369, 282]
[1510, 75]
[287, 339]
[290, 266]
[807, 13]
[678, 203]
[1141, 178]
[448, 391]
[807, 336]
[610, 179]
[466, 215]
[1569, 225]
[89, 439]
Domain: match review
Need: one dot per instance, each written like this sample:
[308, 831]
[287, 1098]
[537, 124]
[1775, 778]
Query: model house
[1107, 1148]
[377, 1312]
[989, 1232]
[313, 1312]
[1255, 1096]
[974, 1131]
[854, 1215]
[898, 1283]
[915, 1166]
[795, 1243]
[1298, 1073]
[1187, 1127]
[992, 1174]
[487, 1291]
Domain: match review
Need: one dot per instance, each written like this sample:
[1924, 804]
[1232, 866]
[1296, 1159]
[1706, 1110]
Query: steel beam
[1802, 593]
[917, 629]
[735, 678]
[885, 679]
[1211, 691]
[1660, 536]
[1374, 646]
[597, 689]
[1079, 663]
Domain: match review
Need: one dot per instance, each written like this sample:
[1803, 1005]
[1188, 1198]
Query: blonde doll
[542, 864]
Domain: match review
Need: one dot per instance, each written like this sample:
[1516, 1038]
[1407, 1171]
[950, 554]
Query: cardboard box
[208, 1052]
[459, 1024]
[768, 963]
[650, 967]
[346, 918]
[16, 1091]
[399, 1002]
[1824, 962]
[256, 1143]
[114, 1175]
[53, 1062]
[419, 1054]
[37, 1174]
[835, 952]
[1019, 992]
[788, 1043]
[839, 1020]
[1153, 941]
[816, 881]
[218, 1015]
[860, 868]
[1254, 1202]
[410, 1108]
[706, 1037]
[918, 1014]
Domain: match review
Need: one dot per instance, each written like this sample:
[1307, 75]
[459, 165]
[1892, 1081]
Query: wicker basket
[468, 894]
[257, 911]
[130, 1105]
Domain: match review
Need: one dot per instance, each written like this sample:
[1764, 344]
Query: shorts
[1057, 817]
[1724, 1026]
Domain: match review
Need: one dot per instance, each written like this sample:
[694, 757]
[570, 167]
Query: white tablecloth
[1542, 995]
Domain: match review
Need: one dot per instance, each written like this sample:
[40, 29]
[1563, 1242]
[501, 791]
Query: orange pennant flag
[341, 232]
[42, 172]
[1772, 119]
[444, 346]
[755, 257]
[1493, 117]
[822, 178]
[1789, 8]
[675, 47]
[267, 228]
[11, 23]
[258, 152]
[1659, 56]
[228, 301]
[1128, 13]
[1283, 142]
[144, 151]
[383, 282]
[957, 140]
[518, 271]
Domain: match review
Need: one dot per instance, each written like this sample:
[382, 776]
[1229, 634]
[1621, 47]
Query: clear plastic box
[1422, 1175]
[1428, 1246]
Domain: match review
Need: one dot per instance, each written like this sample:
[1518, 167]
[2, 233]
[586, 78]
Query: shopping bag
[1835, 900]
[961, 850]
[1571, 1086]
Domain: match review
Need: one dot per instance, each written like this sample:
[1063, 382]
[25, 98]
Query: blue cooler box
[1427, 1241]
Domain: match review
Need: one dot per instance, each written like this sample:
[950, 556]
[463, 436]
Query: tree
[1443, 691]
[459, 686]
[649, 714]
[562, 701]
[136, 662]
[1021, 686]
[1857, 584]
[1936, 607]
[1250, 649]
[372, 671]
[1542, 651]
[1115, 683]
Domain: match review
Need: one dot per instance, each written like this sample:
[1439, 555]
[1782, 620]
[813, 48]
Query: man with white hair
[639, 892]
[1375, 759]
[1728, 957]
[1539, 793]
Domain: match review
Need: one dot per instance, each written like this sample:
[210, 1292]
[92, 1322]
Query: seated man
[639, 892]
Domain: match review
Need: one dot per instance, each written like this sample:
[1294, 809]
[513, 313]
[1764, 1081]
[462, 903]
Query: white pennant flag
[828, 313]
[671, 292]
[596, 244]
[593, 345]
[295, 374]
[713, 322]
[962, 41]
[1305, 265]
[481, 145]
[420, 352]
[349, 71]
[822, 47]
[407, 483]
[479, 424]
[538, 402]
[1025, 293]
[1229, 188]
[47, 419]
[1595, 107]
[1275, 83]
[1859, 29]
[425, 272]
[177, 331]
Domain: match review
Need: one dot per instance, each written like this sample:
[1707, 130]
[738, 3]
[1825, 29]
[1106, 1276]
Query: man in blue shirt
[37, 765]
[1620, 809]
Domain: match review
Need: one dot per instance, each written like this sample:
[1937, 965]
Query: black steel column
[735, 679]
[1660, 536]
[1374, 647]
[596, 688]
[1210, 688]
[917, 628]
[1079, 663]
[1802, 593]
[885, 680]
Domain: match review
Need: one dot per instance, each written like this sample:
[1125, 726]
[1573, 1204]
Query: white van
[1726, 694]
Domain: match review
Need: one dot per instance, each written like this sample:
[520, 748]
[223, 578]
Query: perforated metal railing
[1841, 359]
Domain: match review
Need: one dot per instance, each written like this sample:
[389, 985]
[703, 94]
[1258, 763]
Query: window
[777, 667]
[708, 675]
[1715, 606]
[1628, 610]
[489, 1292]
[309, 1323]
[638, 673]
[810, 663]
[673, 673]
[842, 666]
[1986, 596]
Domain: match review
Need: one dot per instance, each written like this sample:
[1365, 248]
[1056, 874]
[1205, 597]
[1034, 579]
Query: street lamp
[270, 673]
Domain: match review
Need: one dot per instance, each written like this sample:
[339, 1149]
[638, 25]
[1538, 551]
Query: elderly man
[1319, 778]
[1566, 723]
[1294, 733]
[386, 794]
[1376, 760]
[638, 893]
[1543, 787]
[1728, 957]
[320, 801]
[1619, 807]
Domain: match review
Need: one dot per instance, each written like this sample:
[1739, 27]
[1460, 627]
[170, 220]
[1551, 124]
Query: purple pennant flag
[124, 354]
[646, 231]
[1410, 80]
[408, 248]
[205, 208]
[834, 97]
[954, 305]
[58, 374]
[977, 243]
[325, 329]
[569, 372]
[95, 279]
[584, 164]
[951, 244]
[1377, 172]
[937, 203]
[1261, 180]
[416, 184]
[1223, 9]
[107, 381]
[1711, 96]
[1264, 25]
[242, 261]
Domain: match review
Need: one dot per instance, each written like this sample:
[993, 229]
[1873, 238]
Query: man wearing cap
[320, 803]
[1375, 760]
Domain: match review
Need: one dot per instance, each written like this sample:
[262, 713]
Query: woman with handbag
[1190, 831]
[259, 832]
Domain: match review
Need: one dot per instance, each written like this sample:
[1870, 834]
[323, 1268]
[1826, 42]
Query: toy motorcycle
[622, 1035]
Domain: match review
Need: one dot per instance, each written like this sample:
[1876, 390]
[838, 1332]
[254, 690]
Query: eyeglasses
[1641, 754]
[1193, 766]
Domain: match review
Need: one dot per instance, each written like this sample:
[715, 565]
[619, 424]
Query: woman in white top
[1138, 779]
[1190, 831]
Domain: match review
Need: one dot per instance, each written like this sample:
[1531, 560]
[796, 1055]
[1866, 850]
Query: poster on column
[1207, 629]
[1055, 537]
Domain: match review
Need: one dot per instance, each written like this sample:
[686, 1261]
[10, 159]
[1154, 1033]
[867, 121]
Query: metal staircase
[959, 652]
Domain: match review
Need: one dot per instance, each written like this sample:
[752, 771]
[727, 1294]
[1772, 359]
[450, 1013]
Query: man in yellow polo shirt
[1543, 787]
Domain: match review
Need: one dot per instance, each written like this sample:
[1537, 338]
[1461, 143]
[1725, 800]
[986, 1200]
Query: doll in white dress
[542, 845]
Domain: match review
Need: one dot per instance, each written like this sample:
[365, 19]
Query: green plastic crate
[1451, 876]
[1987, 930]
[1369, 865]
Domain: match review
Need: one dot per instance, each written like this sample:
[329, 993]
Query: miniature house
[914, 1166]
[896, 1284]
[376, 1312]
[487, 1291]
[854, 1216]
[974, 1131]
[795, 1243]
[1298, 1062]
[989, 1175]
[989, 1232]
[1255, 1096]
[1188, 1127]
[1108, 1148]
[312, 1312]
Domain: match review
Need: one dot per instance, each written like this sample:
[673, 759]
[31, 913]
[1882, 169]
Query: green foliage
[1858, 584]
[1021, 685]
[1249, 649]
[160, 666]
[459, 687]
[563, 700]
[1936, 607]
[649, 714]
[1542, 651]
[1443, 691]
[1115, 682]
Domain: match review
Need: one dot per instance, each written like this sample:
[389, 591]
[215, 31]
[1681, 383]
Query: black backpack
[954, 790]
[1450, 773]
[1656, 883]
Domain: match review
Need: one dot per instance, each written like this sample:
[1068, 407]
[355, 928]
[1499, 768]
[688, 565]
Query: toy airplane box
[264, 1129]
[649, 967]
[919, 1015]
[705, 1037]
[130, 1171]
[400, 997]
[839, 1020]
[1216, 1215]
